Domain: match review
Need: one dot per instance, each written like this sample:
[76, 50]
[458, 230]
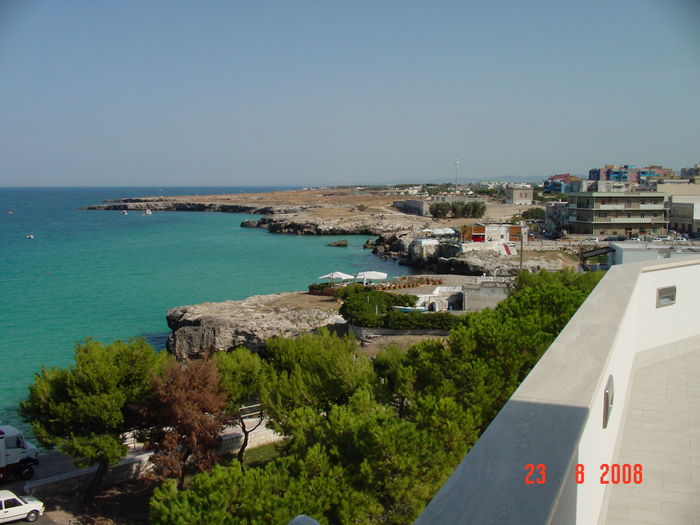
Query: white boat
[147, 212]
[124, 212]
[30, 236]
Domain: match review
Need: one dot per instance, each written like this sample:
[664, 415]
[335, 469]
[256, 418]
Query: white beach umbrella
[371, 276]
[337, 275]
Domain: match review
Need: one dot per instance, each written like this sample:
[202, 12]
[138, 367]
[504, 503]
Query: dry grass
[305, 301]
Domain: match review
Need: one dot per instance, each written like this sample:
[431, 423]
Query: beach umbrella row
[365, 276]
[337, 275]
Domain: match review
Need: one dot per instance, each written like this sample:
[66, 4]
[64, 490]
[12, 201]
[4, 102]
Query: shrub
[322, 289]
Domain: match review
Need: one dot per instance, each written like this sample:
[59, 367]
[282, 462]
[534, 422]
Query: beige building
[617, 213]
[519, 196]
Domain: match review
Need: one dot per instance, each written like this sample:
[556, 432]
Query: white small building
[631, 252]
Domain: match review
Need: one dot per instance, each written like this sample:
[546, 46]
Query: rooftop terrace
[619, 386]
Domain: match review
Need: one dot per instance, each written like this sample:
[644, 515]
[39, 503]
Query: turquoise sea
[104, 275]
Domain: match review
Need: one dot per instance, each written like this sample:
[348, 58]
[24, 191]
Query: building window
[629, 215]
[603, 214]
[665, 296]
[641, 215]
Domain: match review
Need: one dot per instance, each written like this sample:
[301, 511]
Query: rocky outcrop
[491, 264]
[339, 244]
[392, 245]
[178, 205]
[202, 329]
[301, 224]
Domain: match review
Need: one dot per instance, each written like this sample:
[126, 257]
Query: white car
[13, 508]
[591, 239]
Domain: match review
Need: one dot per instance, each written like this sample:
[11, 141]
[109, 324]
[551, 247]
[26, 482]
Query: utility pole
[522, 227]
[456, 170]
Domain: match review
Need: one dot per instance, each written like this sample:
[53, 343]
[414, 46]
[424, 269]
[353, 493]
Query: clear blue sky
[125, 92]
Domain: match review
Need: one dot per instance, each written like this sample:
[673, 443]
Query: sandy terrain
[337, 203]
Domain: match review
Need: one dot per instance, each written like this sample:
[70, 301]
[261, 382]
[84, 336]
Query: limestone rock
[339, 244]
[202, 329]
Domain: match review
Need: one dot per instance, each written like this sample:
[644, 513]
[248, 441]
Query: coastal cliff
[202, 329]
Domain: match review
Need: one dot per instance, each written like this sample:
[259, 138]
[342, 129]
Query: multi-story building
[691, 173]
[558, 183]
[556, 215]
[630, 174]
[615, 172]
[618, 213]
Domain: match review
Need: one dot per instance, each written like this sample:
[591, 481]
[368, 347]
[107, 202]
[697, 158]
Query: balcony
[611, 207]
[630, 220]
[620, 385]
[659, 206]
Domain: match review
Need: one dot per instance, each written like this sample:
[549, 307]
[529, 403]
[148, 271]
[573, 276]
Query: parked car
[13, 508]
[591, 239]
[664, 238]
[634, 239]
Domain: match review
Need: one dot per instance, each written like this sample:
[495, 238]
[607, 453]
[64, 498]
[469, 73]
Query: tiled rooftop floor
[662, 433]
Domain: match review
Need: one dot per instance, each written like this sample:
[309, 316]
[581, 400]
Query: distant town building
[684, 216]
[629, 173]
[558, 183]
[492, 184]
[691, 173]
[414, 206]
[519, 195]
[422, 207]
[493, 233]
[556, 216]
[618, 213]
[679, 187]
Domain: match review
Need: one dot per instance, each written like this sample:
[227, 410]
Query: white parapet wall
[555, 419]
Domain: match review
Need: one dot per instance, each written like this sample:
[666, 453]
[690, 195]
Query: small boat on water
[147, 212]
[10, 212]
[30, 236]
[124, 212]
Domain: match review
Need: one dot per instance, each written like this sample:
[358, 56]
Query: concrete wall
[555, 417]
[77, 480]
[132, 467]
[361, 332]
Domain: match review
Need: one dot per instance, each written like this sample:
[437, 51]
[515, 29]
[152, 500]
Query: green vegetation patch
[372, 441]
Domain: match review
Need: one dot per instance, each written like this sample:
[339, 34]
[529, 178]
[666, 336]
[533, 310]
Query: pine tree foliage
[371, 442]
[243, 376]
[85, 410]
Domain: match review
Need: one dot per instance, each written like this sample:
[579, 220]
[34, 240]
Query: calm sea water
[104, 275]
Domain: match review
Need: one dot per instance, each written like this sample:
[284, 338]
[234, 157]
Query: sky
[227, 92]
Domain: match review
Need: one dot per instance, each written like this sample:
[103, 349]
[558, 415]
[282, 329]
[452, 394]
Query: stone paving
[662, 433]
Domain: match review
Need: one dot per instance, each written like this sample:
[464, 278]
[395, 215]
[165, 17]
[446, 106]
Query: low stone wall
[134, 466]
[361, 332]
[77, 480]
[232, 439]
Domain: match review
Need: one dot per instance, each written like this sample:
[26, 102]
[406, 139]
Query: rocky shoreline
[199, 330]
